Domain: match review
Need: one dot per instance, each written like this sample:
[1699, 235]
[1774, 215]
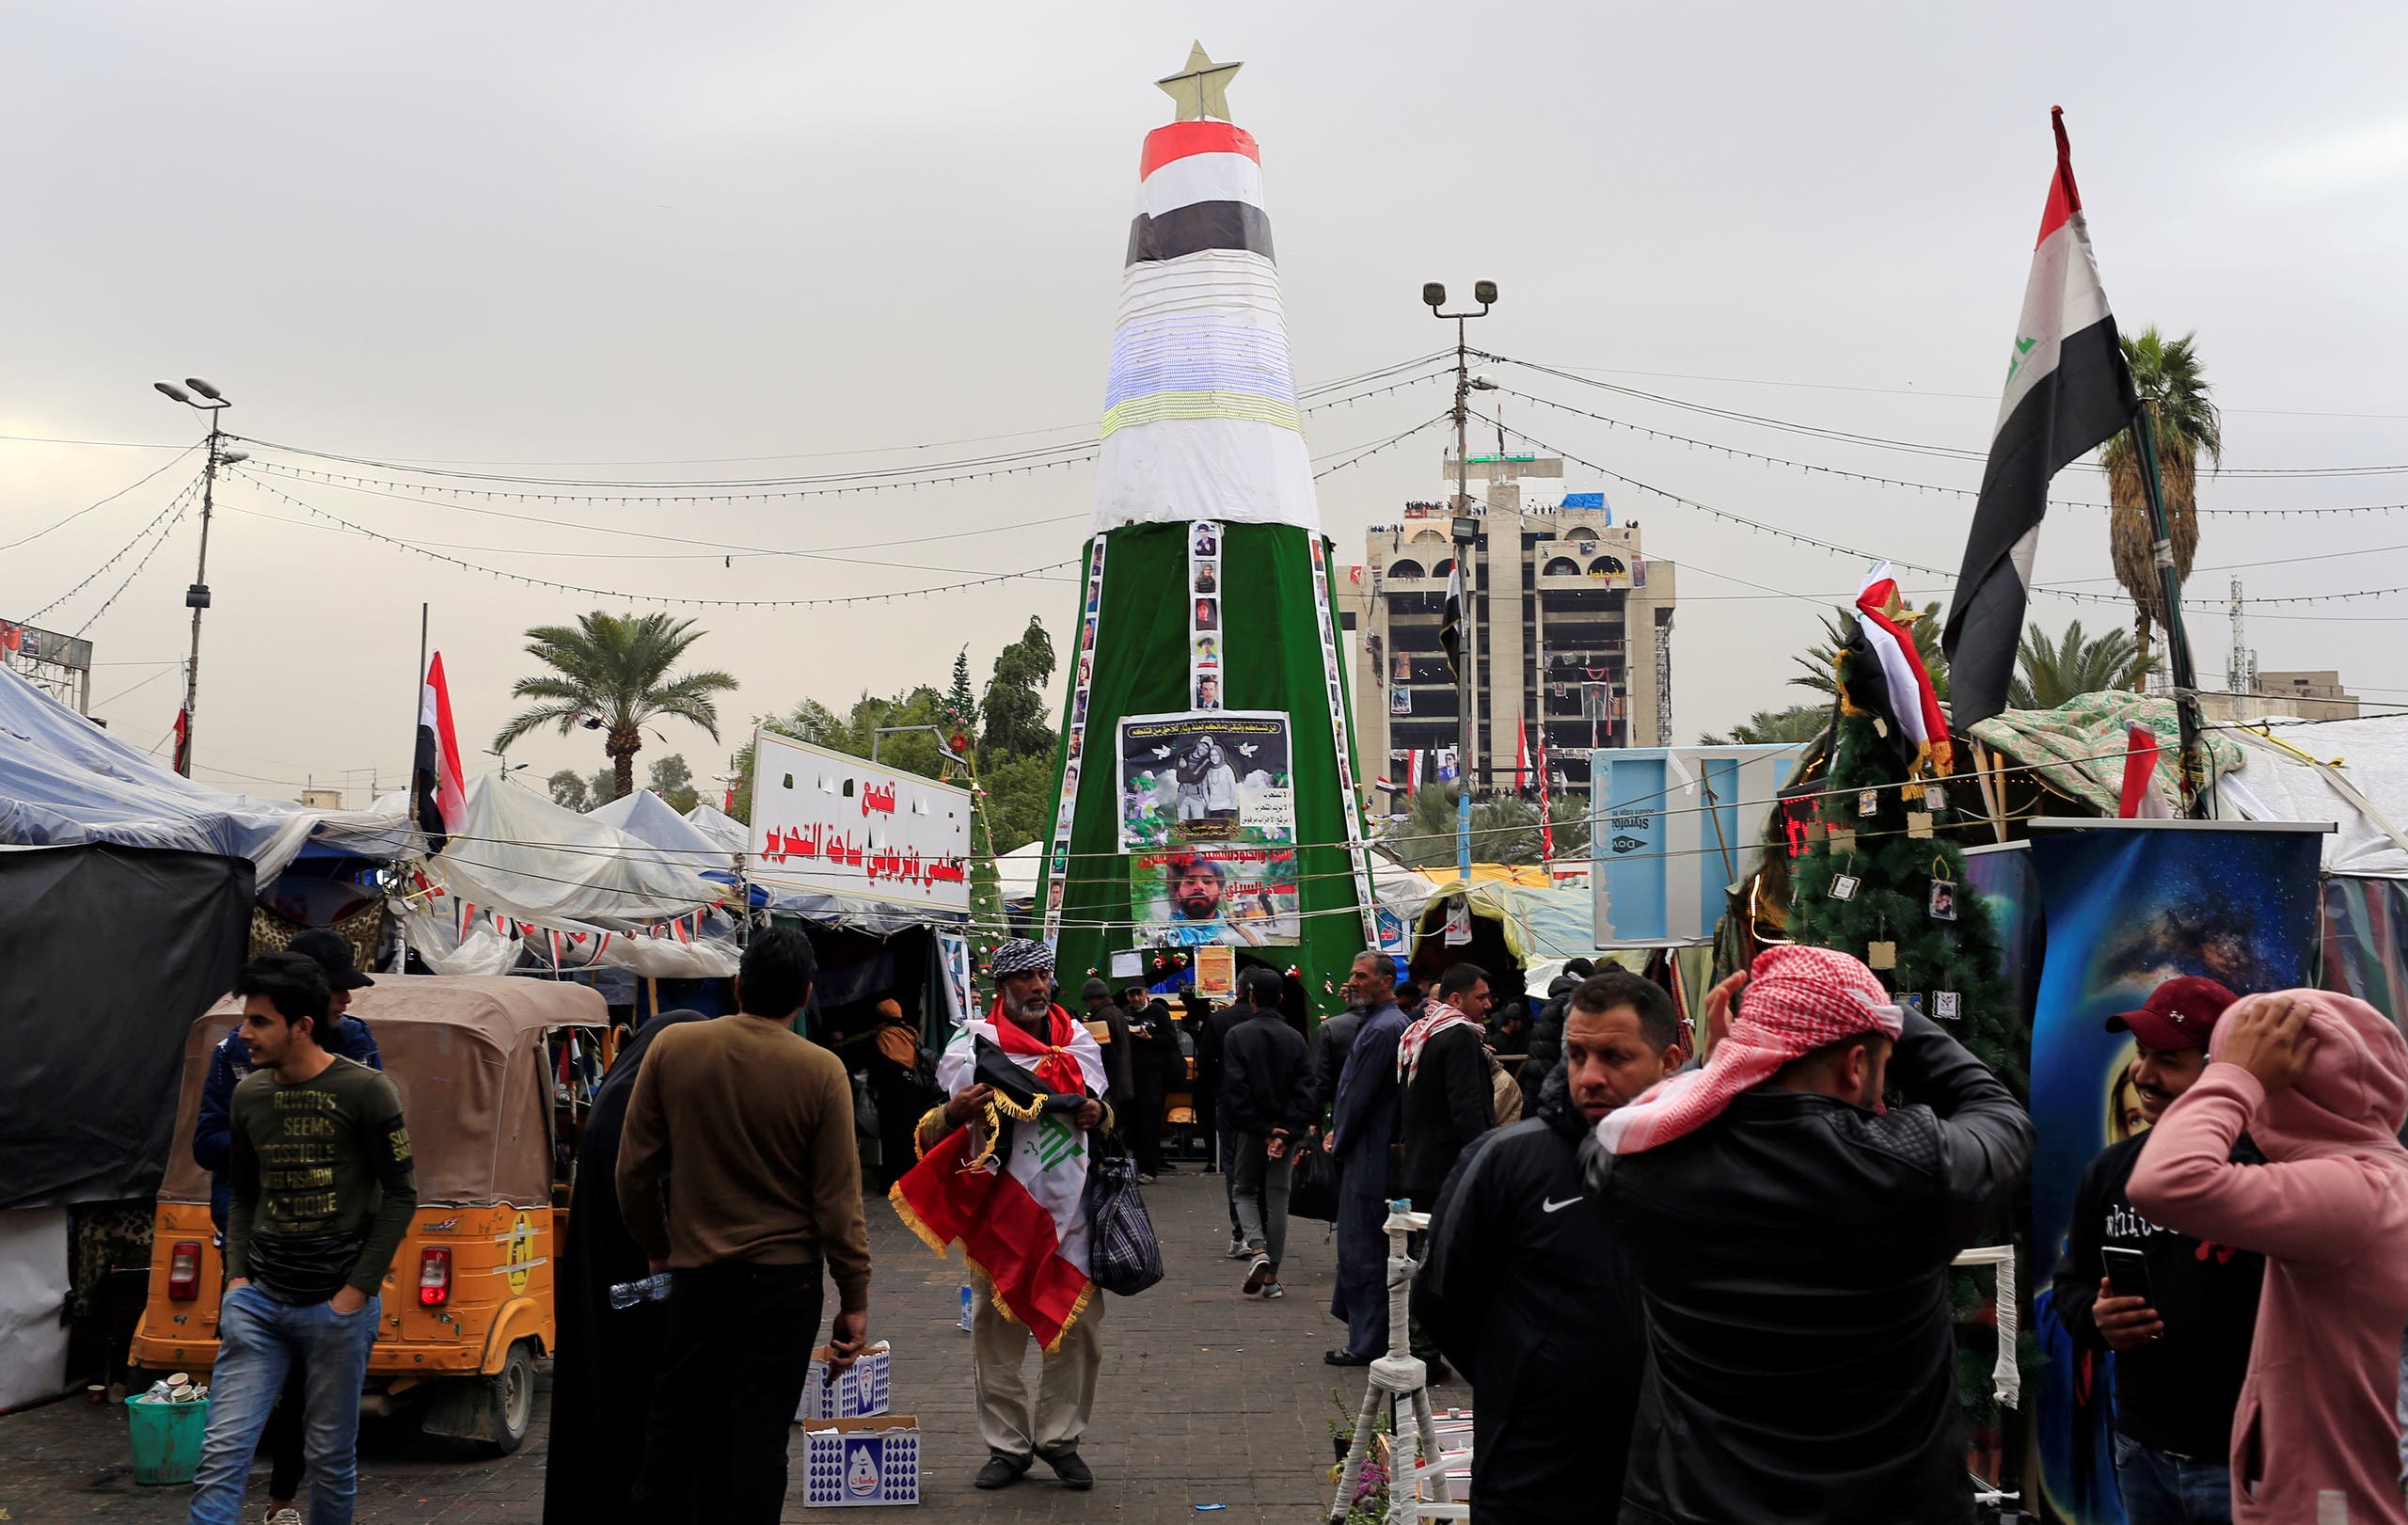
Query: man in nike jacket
[1526, 1289]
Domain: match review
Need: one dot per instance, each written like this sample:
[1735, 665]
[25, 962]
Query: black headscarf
[608, 1359]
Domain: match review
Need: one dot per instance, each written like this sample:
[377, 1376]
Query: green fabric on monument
[1271, 661]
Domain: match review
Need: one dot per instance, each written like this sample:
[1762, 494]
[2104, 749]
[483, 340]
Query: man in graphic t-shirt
[323, 1190]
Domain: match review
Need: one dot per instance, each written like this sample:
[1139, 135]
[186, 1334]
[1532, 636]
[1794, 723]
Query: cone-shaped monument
[1207, 792]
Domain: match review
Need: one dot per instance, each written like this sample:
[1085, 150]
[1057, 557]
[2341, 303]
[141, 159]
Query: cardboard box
[859, 1391]
[850, 1463]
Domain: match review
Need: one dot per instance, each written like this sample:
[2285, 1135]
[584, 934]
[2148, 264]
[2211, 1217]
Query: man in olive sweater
[738, 1174]
[323, 1190]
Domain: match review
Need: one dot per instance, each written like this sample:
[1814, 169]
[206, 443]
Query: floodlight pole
[1466, 533]
[196, 596]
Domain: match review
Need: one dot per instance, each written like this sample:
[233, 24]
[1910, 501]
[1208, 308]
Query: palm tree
[610, 671]
[2048, 672]
[1799, 722]
[2173, 386]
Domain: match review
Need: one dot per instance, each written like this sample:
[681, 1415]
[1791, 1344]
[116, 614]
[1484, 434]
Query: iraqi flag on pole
[1012, 1189]
[2067, 392]
[434, 776]
[1882, 617]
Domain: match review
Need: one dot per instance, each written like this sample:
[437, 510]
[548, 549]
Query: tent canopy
[65, 781]
[650, 820]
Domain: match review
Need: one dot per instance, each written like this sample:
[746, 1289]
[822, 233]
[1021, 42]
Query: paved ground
[1208, 1397]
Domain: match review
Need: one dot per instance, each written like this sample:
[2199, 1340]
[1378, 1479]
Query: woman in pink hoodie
[2320, 1083]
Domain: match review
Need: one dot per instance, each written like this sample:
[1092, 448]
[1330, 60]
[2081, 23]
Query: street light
[196, 596]
[1467, 530]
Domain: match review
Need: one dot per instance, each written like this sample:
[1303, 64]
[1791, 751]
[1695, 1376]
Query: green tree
[673, 781]
[1774, 727]
[2048, 672]
[2173, 386]
[1020, 792]
[1015, 703]
[599, 789]
[569, 791]
[615, 669]
[960, 703]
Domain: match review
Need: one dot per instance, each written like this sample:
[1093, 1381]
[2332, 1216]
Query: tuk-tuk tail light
[184, 1271]
[433, 1277]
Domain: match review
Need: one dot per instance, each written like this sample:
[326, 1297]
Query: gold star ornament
[1203, 89]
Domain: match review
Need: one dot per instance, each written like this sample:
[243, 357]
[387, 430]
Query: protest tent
[524, 881]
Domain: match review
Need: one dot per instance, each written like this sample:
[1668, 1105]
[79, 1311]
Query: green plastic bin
[166, 1440]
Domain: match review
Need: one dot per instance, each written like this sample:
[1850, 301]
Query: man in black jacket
[1331, 1044]
[2182, 1352]
[1527, 1293]
[1547, 1036]
[1441, 1064]
[1267, 1094]
[1153, 1056]
[1792, 1243]
[1209, 1082]
[1362, 1132]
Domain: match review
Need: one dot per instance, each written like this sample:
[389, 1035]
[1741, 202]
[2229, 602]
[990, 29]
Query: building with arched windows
[1571, 629]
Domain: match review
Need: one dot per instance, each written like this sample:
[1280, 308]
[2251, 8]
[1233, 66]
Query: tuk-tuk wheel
[509, 1402]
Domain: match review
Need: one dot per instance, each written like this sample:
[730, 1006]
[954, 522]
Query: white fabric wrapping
[1200, 177]
[1231, 469]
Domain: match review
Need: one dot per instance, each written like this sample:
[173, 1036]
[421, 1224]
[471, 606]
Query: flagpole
[417, 703]
[2198, 781]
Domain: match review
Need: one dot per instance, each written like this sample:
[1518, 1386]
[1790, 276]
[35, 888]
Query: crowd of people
[1680, 1288]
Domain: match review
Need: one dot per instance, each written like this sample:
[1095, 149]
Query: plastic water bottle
[652, 1289]
[968, 1307]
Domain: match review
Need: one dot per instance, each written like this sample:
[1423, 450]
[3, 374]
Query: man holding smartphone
[2178, 1313]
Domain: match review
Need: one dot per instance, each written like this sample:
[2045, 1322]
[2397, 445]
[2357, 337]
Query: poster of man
[1237, 896]
[1207, 775]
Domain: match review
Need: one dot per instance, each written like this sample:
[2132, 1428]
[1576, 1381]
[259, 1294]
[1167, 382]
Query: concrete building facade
[1570, 628]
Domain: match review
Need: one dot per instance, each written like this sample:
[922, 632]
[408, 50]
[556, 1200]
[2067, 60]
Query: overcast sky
[857, 236]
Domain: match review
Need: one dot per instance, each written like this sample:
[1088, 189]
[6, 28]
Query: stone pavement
[1207, 1396]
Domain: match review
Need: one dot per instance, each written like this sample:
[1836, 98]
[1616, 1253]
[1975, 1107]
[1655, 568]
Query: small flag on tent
[2067, 392]
[435, 781]
[1450, 621]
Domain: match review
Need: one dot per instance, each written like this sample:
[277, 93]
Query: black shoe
[1343, 1357]
[1069, 1468]
[1165, 1169]
[1001, 1471]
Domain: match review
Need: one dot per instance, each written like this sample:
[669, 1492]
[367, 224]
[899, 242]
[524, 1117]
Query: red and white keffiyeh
[1797, 999]
[1436, 1017]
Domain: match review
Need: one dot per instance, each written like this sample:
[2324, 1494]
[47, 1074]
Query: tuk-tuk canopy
[467, 1056]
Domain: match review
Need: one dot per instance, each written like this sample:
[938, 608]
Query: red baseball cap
[2179, 1013]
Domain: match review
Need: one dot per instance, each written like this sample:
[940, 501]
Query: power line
[175, 506]
[112, 498]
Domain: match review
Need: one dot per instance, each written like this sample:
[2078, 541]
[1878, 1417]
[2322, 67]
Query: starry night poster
[2128, 906]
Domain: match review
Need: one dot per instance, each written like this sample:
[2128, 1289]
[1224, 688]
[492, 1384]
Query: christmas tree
[1883, 878]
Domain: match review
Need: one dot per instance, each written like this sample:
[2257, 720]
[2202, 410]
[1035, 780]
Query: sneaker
[1001, 1471]
[1241, 1251]
[285, 1517]
[1069, 1468]
[1144, 1180]
[1258, 1276]
[1272, 1289]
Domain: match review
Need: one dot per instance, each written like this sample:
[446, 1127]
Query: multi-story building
[1569, 624]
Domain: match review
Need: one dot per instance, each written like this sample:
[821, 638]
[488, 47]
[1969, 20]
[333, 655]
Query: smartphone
[2127, 1271]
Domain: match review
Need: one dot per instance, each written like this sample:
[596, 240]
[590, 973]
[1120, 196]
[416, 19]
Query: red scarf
[1057, 1068]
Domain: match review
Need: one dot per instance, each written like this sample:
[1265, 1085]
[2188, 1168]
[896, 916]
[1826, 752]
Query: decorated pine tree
[1882, 877]
[960, 703]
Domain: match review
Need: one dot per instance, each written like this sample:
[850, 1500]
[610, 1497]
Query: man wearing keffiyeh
[1002, 1170]
[1792, 1239]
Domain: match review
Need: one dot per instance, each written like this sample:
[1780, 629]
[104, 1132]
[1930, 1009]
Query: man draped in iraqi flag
[2067, 392]
[1004, 1171]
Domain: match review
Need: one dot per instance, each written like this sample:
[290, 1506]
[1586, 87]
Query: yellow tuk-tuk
[468, 1303]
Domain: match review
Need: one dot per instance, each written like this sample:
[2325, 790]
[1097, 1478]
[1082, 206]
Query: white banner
[825, 821]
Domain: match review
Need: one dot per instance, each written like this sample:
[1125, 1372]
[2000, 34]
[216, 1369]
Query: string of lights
[60, 524]
[164, 534]
[1868, 557]
[1911, 447]
[1367, 452]
[175, 507]
[525, 580]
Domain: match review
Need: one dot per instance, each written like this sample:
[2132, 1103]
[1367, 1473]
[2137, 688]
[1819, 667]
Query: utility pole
[196, 596]
[1467, 533]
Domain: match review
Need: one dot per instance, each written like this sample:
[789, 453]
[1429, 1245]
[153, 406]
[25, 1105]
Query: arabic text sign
[825, 821]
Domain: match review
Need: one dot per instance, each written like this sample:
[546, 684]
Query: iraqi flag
[2067, 392]
[1011, 1188]
[1450, 621]
[183, 743]
[434, 776]
[1882, 617]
